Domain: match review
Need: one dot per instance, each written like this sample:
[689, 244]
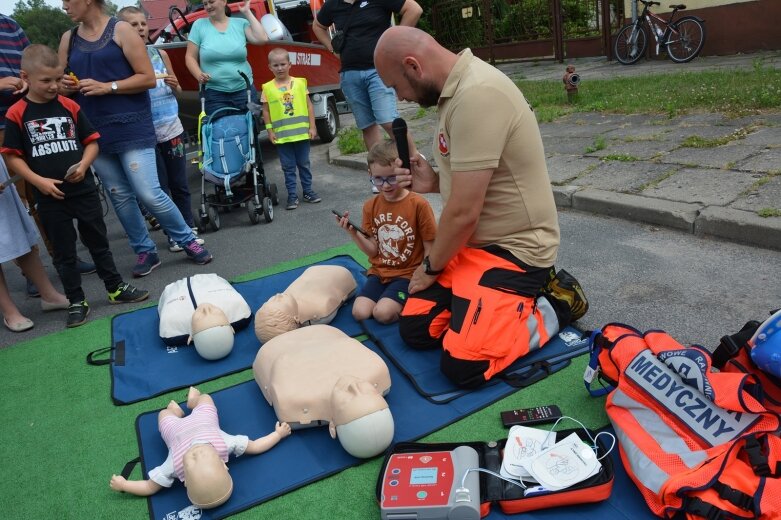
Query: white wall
[690, 4]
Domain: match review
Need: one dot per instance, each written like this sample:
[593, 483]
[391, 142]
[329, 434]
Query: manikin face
[207, 316]
[353, 398]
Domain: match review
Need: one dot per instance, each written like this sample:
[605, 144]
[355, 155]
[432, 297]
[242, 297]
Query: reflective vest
[696, 441]
[288, 110]
[734, 355]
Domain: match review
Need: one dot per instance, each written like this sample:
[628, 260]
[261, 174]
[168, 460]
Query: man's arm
[321, 31]
[456, 224]
[410, 13]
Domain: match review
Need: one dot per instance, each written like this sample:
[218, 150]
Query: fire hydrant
[571, 82]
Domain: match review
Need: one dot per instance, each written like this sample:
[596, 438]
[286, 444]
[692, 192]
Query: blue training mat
[142, 366]
[422, 366]
[625, 502]
[307, 455]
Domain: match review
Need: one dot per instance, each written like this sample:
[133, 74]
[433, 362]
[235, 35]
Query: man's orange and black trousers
[484, 311]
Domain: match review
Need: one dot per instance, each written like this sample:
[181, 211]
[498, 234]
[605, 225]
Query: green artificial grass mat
[62, 438]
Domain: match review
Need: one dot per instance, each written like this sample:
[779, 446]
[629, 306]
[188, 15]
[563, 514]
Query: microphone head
[399, 125]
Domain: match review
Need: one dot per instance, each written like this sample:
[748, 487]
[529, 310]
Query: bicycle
[683, 38]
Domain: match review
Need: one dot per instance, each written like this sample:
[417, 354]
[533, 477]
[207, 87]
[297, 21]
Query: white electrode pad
[523, 443]
[566, 463]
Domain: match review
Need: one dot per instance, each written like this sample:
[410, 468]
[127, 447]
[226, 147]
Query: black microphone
[399, 128]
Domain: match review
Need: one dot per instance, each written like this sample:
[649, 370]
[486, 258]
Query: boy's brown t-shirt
[400, 227]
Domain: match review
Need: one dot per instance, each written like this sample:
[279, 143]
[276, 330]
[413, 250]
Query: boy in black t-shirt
[51, 144]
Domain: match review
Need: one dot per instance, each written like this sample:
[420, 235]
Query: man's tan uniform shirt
[484, 123]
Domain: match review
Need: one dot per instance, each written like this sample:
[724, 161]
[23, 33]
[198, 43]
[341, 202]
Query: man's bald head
[412, 62]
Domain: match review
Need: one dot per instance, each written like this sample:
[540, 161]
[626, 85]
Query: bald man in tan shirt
[487, 293]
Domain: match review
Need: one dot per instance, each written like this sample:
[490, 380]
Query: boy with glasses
[401, 228]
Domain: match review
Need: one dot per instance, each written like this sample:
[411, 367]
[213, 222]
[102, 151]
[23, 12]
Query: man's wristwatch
[427, 267]
[114, 87]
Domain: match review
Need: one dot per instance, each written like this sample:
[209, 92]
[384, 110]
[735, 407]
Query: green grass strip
[62, 438]
[728, 92]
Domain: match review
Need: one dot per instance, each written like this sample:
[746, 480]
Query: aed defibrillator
[444, 481]
[427, 485]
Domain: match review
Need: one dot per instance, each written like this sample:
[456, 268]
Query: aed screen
[423, 476]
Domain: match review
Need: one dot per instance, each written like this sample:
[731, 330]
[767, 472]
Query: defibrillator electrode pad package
[180, 298]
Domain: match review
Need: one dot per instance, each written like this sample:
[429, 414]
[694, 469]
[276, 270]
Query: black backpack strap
[730, 345]
[70, 48]
[696, 506]
[757, 456]
[735, 497]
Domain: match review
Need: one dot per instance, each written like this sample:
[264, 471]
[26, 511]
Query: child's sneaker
[375, 189]
[292, 203]
[197, 253]
[154, 225]
[126, 293]
[197, 238]
[146, 262]
[173, 246]
[77, 314]
[311, 197]
[566, 288]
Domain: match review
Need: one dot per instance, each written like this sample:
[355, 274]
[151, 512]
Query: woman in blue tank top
[110, 78]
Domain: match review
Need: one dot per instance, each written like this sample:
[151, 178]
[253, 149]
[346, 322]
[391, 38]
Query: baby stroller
[231, 161]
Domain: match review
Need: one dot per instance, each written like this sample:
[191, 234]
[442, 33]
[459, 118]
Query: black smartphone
[356, 227]
[529, 416]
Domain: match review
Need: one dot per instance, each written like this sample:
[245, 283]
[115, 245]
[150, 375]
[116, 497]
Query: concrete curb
[714, 221]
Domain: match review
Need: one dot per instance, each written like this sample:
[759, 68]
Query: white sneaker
[174, 247]
[197, 238]
[375, 189]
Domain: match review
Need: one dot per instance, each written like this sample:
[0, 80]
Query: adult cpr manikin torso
[318, 375]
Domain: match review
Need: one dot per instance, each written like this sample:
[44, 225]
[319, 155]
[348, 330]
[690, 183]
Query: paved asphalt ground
[639, 254]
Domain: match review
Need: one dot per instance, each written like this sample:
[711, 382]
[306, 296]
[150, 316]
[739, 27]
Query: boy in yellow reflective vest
[290, 121]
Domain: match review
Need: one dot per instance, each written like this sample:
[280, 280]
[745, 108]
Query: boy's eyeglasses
[379, 181]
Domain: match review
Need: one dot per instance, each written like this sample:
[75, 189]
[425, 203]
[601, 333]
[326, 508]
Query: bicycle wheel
[687, 36]
[630, 44]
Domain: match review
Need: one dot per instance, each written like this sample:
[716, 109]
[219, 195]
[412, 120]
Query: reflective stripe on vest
[288, 127]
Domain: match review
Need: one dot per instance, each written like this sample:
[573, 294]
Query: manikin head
[277, 316]
[206, 477]
[212, 333]
[361, 418]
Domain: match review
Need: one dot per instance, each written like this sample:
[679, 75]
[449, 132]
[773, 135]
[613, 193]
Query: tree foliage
[41, 22]
[45, 24]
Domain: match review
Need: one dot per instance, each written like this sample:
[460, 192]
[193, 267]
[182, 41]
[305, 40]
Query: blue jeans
[291, 156]
[172, 173]
[129, 178]
[216, 99]
[369, 99]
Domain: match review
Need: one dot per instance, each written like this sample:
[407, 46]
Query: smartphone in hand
[351, 223]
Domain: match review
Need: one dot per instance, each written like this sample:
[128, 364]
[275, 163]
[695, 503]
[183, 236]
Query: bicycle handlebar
[645, 2]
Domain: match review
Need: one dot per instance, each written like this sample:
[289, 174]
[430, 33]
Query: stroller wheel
[268, 209]
[252, 211]
[214, 218]
[273, 193]
[204, 221]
